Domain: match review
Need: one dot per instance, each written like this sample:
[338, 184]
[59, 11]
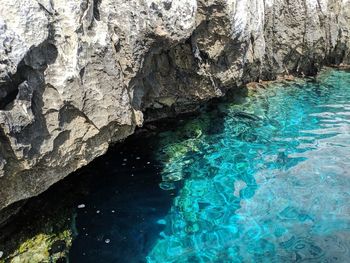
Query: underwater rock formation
[77, 75]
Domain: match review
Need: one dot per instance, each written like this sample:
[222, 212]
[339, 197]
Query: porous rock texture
[77, 75]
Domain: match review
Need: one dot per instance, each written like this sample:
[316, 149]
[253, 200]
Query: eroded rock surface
[77, 75]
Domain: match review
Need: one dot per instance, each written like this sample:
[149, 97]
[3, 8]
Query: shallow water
[262, 178]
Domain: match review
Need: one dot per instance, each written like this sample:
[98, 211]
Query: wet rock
[57, 246]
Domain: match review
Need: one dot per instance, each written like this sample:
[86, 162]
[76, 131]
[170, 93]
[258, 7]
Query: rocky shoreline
[78, 76]
[44, 229]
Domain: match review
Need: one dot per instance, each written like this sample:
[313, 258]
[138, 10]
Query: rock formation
[77, 75]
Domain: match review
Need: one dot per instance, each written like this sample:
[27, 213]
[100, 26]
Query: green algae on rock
[44, 228]
[52, 247]
[176, 144]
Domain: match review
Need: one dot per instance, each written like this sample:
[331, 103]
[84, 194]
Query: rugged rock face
[77, 75]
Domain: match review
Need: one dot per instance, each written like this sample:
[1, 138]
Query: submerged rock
[43, 248]
[76, 76]
[46, 239]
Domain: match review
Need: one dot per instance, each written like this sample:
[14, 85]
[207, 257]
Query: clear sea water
[261, 177]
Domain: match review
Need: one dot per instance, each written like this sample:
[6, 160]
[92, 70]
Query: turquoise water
[260, 178]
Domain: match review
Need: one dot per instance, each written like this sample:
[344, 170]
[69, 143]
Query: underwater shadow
[123, 213]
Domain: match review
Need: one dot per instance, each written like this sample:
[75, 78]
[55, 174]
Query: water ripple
[271, 186]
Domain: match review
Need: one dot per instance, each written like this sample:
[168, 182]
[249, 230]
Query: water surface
[259, 178]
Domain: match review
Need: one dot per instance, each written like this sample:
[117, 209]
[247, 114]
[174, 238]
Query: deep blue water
[260, 178]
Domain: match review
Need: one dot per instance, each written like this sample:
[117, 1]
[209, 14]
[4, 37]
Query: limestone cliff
[77, 75]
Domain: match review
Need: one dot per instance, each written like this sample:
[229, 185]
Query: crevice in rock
[9, 92]
[96, 10]
[7, 152]
[36, 61]
[9, 86]
[167, 5]
[338, 53]
[49, 12]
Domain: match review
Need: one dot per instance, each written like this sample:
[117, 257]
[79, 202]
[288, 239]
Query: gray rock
[77, 75]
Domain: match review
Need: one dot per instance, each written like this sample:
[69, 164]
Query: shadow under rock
[122, 215]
